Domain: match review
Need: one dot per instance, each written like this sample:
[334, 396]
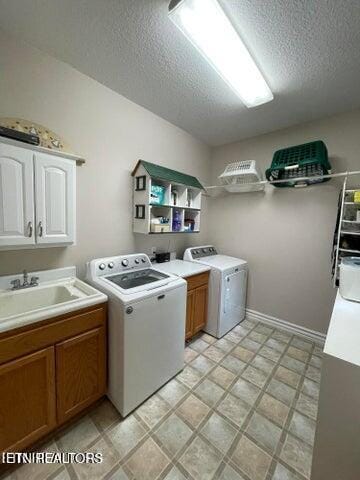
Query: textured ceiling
[307, 49]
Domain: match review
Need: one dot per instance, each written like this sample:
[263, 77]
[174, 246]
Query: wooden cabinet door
[80, 372]
[200, 308]
[27, 399]
[55, 199]
[189, 314]
[16, 196]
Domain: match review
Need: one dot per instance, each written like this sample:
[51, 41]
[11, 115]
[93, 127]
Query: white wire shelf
[220, 188]
[346, 232]
[348, 250]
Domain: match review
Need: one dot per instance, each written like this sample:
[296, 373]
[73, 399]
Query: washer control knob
[137, 261]
[204, 250]
[111, 264]
[125, 262]
[143, 260]
[102, 266]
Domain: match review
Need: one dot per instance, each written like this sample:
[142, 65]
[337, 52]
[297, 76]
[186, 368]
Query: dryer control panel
[199, 252]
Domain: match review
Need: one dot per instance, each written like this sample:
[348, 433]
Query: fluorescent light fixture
[205, 24]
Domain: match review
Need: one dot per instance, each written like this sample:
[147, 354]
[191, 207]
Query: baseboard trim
[312, 335]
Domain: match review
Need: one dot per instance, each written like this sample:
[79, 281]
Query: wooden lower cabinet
[189, 314]
[49, 372]
[200, 308]
[80, 372]
[197, 302]
[27, 399]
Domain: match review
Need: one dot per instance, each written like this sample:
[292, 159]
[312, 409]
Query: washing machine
[227, 288]
[146, 326]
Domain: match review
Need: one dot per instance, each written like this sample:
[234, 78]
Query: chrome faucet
[16, 284]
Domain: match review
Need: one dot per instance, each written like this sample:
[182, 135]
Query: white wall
[286, 235]
[111, 133]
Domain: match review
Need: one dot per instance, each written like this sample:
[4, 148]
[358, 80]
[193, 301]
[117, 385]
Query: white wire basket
[240, 177]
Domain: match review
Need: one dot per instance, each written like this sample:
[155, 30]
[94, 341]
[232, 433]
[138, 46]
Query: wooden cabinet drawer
[16, 344]
[197, 280]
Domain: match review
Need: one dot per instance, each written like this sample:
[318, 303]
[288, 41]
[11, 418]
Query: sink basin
[49, 299]
[33, 299]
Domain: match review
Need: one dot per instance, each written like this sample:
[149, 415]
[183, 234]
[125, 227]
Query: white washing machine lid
[138, 293]
[223, 262]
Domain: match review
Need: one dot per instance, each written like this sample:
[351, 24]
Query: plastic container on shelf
[350, 226]
[350, 278]
[157, 195]
[176, 223]
[241, 177]
[292, 163]
[189, 224]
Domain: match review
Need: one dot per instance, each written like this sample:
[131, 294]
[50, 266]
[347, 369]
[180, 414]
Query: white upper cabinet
[16, 196]
[37, 198]
[54, 199]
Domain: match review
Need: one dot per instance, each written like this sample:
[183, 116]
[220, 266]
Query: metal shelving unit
[340, 250]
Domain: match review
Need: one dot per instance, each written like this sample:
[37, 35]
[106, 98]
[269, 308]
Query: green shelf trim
[168, 175]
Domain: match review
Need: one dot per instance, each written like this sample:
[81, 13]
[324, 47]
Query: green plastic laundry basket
[306, 160]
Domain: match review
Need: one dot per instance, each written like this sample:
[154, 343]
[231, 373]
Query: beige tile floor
[243, 408]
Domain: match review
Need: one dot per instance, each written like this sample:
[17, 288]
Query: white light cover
[205, 24]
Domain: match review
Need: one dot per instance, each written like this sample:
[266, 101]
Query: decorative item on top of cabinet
[37, 197]
[169, 201]
[49, 141]
[49, 372]
[197, 302]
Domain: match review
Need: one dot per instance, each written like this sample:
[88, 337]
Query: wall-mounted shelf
[215, 190]
[165, 201]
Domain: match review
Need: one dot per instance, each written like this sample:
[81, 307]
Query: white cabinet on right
[37, 198]
[54, 199]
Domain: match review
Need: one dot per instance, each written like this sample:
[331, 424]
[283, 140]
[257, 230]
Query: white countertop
[343, 336]
[181, 268]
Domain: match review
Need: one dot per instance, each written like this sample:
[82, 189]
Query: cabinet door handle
[40, 229]
[30, 229]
